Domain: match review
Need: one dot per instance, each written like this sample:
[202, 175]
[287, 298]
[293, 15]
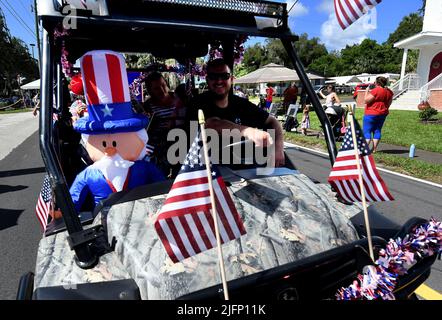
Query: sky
[314, 17]
[317, 18]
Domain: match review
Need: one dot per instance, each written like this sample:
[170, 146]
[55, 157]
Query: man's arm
[273, 123]
[259, 137]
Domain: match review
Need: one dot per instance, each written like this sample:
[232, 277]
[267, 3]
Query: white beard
[114, 169]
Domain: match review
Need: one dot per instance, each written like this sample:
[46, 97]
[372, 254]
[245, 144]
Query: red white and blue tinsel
[66, 65]
[379, 281]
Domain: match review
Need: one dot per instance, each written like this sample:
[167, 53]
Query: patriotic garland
[216, 50]
[66, 65]
[379, 281]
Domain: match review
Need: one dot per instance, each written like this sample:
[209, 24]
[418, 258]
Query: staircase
[408, 100]
[406, 93]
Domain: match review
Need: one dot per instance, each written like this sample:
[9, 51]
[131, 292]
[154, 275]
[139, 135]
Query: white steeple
[433, 16]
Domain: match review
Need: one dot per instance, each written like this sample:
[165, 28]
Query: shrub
[427, 113]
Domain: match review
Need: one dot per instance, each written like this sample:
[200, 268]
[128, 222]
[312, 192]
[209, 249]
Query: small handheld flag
[44, 203]
[184, 223]
[344, 176]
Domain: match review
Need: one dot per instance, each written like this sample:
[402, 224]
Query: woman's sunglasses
[220, 76]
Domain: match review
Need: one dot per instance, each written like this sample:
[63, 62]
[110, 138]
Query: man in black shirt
[223, 110]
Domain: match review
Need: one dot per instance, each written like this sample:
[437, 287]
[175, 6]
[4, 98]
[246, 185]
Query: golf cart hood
[287, 218]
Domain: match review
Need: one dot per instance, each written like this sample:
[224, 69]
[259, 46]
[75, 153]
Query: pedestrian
[377, 101]
[36, 101]
[305, 123]
[270, 92]
[331, 98]
[290, 96]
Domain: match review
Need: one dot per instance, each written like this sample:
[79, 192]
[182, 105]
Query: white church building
[426, 83]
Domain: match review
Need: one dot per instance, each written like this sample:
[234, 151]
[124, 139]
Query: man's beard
[114, 169]
[218, 96]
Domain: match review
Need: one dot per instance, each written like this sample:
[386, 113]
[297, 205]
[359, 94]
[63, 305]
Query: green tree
[254, 58]
[15, 60]
[309, 49]
[328, 65]
[273, 51]
[409, 26]
[136, 61]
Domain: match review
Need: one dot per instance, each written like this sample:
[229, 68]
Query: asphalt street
[412, 198]
[21, 174]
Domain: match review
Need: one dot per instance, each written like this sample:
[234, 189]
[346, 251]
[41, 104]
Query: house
[426, 84]
[345, 80]
[370, 78]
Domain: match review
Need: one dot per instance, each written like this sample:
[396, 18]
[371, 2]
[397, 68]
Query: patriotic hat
[107, 95]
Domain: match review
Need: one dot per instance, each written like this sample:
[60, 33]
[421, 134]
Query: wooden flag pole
[361, 184]
[212, 200]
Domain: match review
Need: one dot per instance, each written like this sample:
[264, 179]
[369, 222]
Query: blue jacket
[92, 180]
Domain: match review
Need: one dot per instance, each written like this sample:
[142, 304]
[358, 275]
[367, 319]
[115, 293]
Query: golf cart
[301, 242]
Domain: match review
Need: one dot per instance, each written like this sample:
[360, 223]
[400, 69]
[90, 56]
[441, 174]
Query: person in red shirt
[377, 103]
[269, 98]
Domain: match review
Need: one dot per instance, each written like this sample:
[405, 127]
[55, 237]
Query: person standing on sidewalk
[377, 102]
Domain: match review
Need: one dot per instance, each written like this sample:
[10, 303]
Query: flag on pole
[348, 11]
[184, 223]
[44, 203]
[344, 176]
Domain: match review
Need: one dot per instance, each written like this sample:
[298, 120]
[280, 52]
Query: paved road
[21, 174]
[413, 199]
[14, 129]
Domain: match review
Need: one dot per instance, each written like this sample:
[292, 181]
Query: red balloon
[76, 85]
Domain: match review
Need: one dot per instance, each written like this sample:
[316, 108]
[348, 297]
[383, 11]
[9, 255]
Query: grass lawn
[402, 128]
[412, 167]
[16, 111]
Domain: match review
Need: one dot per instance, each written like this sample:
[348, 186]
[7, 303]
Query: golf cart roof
[163, 27]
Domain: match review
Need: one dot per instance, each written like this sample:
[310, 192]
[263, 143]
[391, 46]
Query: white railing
[410, 82]
[436, 83]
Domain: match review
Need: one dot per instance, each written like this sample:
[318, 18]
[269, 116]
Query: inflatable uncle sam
[114, 136]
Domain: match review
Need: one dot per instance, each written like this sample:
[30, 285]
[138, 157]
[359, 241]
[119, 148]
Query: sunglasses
[220, 76]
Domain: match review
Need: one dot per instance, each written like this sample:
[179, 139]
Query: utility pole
[37, 35]
[32, 46]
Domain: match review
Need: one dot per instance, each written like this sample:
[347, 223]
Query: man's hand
[259, 137]
[279, 157]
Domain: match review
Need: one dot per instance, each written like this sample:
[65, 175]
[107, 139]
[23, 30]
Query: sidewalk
[14, 129]
[427, 156]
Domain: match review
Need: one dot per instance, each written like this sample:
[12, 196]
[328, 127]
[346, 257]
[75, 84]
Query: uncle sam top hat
[107, 95]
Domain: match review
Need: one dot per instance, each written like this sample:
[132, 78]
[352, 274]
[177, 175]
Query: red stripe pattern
[184, 223]
[104, 77]
[344, 176]
[44, 203]
[348, 11]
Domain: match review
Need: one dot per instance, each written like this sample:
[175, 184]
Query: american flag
[344, 176]
[348, 11]
[184, 223]
[44, 203]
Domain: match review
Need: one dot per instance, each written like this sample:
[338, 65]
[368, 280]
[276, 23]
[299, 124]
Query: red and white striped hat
[106, 89]
[104, 77]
